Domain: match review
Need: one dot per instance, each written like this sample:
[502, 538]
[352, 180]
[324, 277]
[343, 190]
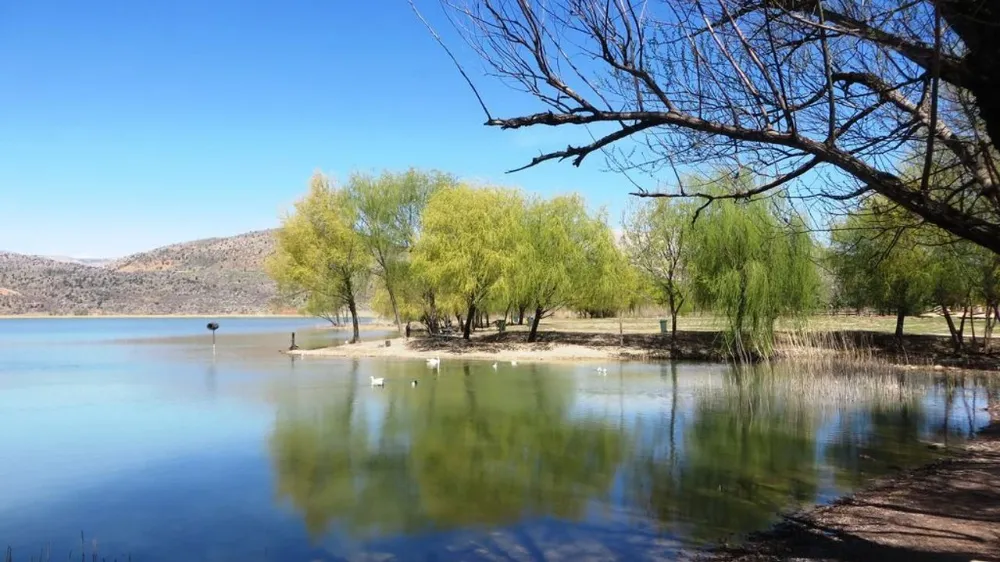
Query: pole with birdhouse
[213, 326]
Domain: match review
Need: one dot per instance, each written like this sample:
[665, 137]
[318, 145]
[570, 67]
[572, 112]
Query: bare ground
[920, 350]
[551, 346]
[946, 511]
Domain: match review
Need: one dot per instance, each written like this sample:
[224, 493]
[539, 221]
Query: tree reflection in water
[458, 451]
[474, 449]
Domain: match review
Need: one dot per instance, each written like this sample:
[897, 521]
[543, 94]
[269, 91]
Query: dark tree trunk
[900, 317]
[354, 320]
[975, 22]
[432, 323]
[520, 314]
[395, 307]
[469, 319]
[674, 307]
[533, 333]
[956, 336]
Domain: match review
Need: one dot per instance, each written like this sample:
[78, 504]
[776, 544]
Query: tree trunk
[533, 333]
[956, 338]
[395, 307]
[354, 320]
[469, 319]
[972, 325]
[988, 331]
[621, 329]
[520, 314]
[432, 323]
[900, 317]
[961, 325]
[674, 307]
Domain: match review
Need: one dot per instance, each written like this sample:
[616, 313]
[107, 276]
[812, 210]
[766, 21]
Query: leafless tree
[824, 100]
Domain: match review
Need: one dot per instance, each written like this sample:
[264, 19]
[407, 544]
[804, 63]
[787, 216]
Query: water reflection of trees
[463, 450]
[471, 449]
[745, 457]
[773, 438]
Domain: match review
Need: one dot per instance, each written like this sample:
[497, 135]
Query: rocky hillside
[214, 276]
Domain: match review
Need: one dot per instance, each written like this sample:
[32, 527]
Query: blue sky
[130, 125]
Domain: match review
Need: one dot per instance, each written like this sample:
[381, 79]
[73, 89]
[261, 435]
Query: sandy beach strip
[401, 349]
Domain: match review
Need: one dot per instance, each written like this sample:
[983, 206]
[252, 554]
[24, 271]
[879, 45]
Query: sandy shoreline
[399, 349]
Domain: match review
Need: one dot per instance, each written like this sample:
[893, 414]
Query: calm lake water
[134, 433]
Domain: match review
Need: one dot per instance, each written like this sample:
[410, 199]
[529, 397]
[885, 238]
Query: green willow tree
[753, 267]
[881, 261]
[552, 266]
[389, 207]
[612, 284]
[467, 245]
[318, 254]
[656, 237]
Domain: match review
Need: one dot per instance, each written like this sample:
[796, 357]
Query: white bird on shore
[494, 366]
[434, 363]
[347, 341]
[513, 363]
[377, 381]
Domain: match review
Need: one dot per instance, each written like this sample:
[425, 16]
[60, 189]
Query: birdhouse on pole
[213, 326]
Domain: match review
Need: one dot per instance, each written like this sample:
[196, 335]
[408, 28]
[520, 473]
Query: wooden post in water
[293, 347]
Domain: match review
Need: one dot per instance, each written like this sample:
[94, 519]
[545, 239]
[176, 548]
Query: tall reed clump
[822, 385]
[839, 350]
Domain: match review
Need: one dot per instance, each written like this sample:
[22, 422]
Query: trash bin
[663, 326]
[501, 326]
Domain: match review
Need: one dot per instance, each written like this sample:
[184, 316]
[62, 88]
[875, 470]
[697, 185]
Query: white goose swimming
[434, 363]
[377, 381]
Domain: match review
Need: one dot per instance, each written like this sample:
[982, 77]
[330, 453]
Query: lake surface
[133, 432]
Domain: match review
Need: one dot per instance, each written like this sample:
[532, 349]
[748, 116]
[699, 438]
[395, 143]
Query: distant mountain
[213, 276]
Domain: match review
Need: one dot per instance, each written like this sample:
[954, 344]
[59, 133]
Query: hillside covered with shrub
[212, 276]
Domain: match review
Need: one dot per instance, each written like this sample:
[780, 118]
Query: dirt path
[947, 511]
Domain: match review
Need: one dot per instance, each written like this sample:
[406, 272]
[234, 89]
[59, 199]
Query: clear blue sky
[129, 125]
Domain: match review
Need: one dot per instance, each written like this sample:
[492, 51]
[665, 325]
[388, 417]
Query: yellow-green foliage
[611, 283]
[389, 208]
[753, 268]
[656, 238]
[468, 242]
[558, 244]
[881, 262]
[318, 253]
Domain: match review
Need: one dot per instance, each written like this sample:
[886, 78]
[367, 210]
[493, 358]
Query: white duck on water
[434, 363]
[377, 381]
